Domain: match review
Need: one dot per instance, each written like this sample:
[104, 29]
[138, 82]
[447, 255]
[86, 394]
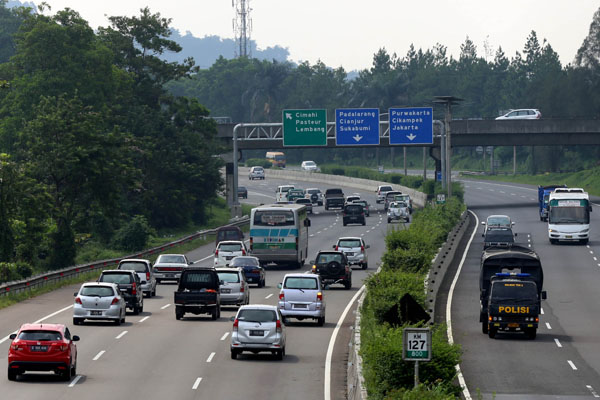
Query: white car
[228, 249]
[310, 166]
[315, 196]
[99, 301]
[527, 113]
[352, 198]
[256, 173]
[398, 210]
[234, 289]
[355, 250]
[497, 222]
[256, 328]
[382, 191]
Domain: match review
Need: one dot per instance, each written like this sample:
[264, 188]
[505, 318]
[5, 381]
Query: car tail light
[362, 249]
[134, 288]
[62, 347]
[296, 242]
[216, 252]
[243, 252]
[281, 296]
[235, 325]
[15, 346]
[337, 248]
[251, 244]
[242, 288]
[114, 301]
[148, 277]
[278, 326]
[320, 296]
[211, 291]
[78, 301]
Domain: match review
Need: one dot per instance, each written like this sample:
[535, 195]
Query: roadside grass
[588, 179]
[94, 252]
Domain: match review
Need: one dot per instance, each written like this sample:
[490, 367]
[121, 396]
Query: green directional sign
[304, 127]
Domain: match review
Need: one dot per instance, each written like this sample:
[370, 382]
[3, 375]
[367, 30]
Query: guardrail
[70, 272]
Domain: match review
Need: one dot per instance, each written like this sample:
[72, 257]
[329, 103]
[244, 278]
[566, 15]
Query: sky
[348, 32]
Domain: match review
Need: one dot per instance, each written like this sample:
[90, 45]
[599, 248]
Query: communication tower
[242, 26]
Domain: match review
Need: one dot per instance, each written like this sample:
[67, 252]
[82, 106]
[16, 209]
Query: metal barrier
[70, 272]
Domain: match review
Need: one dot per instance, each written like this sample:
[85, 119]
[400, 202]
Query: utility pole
[448, 101]
[242, 27]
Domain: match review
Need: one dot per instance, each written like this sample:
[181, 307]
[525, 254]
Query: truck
[334, 198]
[198, 293]
[569, 215]
[510, 291]
[543, 193]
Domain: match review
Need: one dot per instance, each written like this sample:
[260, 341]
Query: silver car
[355, 250]
[257, 328]
[301, 297]
[234, 288]
[307, 203]
[144, 270]
[169, 267]
[398, 210]
[315, 196]
[99, 301]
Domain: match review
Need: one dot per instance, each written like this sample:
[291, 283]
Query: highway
[564, 361]
[154, 356]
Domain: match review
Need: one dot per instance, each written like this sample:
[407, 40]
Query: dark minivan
[228, 233]
[354, 214]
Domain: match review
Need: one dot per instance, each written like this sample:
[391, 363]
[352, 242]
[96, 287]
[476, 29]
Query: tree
[588, 55]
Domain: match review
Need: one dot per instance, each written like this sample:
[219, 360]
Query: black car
[242, 192]
[255, 273]
[354, 214]
[498, 238]
[130, 286]
[198, 293]
[333, 267]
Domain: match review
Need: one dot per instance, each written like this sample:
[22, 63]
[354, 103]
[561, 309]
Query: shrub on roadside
[261, 162]
[134, 235]
[386, 288]
[14, 271]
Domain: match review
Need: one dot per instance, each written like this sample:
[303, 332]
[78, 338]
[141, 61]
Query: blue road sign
[411, 125]
[356, 126]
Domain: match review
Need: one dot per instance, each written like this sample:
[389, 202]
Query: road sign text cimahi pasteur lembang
[305, 127]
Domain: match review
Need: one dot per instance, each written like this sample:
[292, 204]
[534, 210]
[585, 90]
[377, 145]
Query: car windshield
[361, 202]
[569, 215]
[310, 163]
[231, 277]
[513, 291]
[258, 169]
[303, 201]
[313, 191]
[40, 335]
[243, 261]
[229, 234]
[273, 218]
[500, 235]
[353, 209]
[230, 247]
[300, 283]
[97, 291]
[498, 221]
[198, 280]
[349, 243]
[385, 189]
[116, 278]
[257, 315]
[133, 266]
[329, 257]
[171, 259]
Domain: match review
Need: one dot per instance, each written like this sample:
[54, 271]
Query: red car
[42, 347]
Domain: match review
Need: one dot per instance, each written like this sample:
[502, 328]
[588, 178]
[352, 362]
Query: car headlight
[552, 231]
[584, 231]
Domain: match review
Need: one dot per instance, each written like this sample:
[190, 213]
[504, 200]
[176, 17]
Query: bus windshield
[569, 215]
[273, 218]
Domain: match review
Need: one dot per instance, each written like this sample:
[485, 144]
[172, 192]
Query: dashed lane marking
[98, 355]
[592, 391]
[196, 384]
[268, 296]
[548, 325]
[165, 306]
[542, 311]
[121, 335]
[224, 336]
[210, 358]
[572, 365]
[145, 318]
[557, 342]
[74, 382]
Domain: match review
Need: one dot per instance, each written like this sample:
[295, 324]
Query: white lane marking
[595, 258]
[591, 252]
[548, 325]
[587, 245]
[592, 391]
[362, 234]
[318, 232]
[197, 383]
[461, 378]
[502, 191]
[327, 384]
[311, 235]
[572, 365]
[209, 359]
[4, 339]
[121, 335]
[513, 194]
[165, 306]
[324, 229]
[269, 296]
[74, 382]
[98, 355]
[224, 336]
[145, 318]
[492, 190]
[542, 311]
[557, 342]
[205, 258]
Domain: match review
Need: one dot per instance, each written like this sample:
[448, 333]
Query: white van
[281, 193]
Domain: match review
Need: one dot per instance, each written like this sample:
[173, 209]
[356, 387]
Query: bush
[415, 182]
[407, 260]
[14, 271]
[262, 162]
[134, 235]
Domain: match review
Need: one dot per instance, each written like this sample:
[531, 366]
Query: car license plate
[569, 236]
[257, 333]
[300, 306]
[349, 254]
[169, 275]
[96, 312]
[513, 325]
[39, 348]
[123, 290]
[228, 257]
[225, 290]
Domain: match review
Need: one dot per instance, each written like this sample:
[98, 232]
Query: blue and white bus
[279, 234]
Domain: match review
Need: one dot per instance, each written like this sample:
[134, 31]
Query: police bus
[279, 234]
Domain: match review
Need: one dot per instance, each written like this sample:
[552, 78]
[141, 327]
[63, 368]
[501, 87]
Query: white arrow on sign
[411, 137]
[288, 115]
[357, 137]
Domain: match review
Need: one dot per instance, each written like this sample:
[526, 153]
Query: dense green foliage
[263, 162]
[90, 139]
[405, 263]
